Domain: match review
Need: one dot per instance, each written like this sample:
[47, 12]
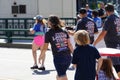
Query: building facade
[30, 8]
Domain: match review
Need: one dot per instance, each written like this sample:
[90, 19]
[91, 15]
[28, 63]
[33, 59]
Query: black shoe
[41, 68]
[34, 67]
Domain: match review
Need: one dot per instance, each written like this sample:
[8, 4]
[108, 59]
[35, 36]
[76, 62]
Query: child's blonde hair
[82, 37]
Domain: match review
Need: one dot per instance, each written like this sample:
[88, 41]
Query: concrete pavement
[15, 65]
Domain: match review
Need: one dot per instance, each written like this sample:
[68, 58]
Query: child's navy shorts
[62, 63]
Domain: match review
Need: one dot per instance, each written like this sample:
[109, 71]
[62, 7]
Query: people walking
[61, 47]
[39, 31]
[111, 34]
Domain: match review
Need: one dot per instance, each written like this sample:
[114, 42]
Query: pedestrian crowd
[86, 59]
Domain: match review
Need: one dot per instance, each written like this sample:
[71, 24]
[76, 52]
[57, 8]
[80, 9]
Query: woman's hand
[32, 31]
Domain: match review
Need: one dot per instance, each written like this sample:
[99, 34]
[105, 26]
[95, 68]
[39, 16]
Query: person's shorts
[62, 64]
[39, 40]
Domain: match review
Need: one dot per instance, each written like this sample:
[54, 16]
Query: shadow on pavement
[40, 72]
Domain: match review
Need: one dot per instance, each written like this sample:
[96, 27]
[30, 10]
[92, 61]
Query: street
[15, 64]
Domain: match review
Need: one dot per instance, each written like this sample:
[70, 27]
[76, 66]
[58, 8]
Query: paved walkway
[15, 65]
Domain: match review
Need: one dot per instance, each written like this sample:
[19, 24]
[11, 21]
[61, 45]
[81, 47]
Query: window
[22, 9]
[18, 9]
[14, 9]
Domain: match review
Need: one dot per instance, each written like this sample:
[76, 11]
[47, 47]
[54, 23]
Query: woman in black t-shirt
[61, 47]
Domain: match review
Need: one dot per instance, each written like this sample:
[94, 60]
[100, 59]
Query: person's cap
[38, 17]
[82, 11]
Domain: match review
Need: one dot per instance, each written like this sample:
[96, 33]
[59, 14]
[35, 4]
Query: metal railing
[10, 28]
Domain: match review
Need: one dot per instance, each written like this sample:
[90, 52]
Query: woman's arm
[100, 37]
[70, 46]
[71, 32]
[100, 60]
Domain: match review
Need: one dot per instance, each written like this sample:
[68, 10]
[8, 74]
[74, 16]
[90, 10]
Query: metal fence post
[25, 27]
[8, 33]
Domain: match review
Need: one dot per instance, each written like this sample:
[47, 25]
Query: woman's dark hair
[109, 7]
[107, 68]
[95, 13]
[55, 21]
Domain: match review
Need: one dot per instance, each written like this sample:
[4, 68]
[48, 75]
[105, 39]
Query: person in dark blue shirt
[87, 24]
[111, 33]
[85, 57]
[102, 12]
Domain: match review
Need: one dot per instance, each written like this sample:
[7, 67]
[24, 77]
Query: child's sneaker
[34, 67]
[41, 68]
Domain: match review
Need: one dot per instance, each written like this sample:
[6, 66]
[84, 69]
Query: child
[61, 47]
[97, 19]
[106, 71]
[84, 57]
[38, 30]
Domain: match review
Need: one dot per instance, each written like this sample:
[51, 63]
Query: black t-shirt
[58, 39]
[112, 26]
[85, 58]
[88, 25]
[101, 12]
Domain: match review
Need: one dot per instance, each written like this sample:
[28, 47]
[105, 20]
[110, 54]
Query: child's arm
[115, 74]
[100, 60]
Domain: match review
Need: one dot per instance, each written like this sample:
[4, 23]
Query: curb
[16, 45]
